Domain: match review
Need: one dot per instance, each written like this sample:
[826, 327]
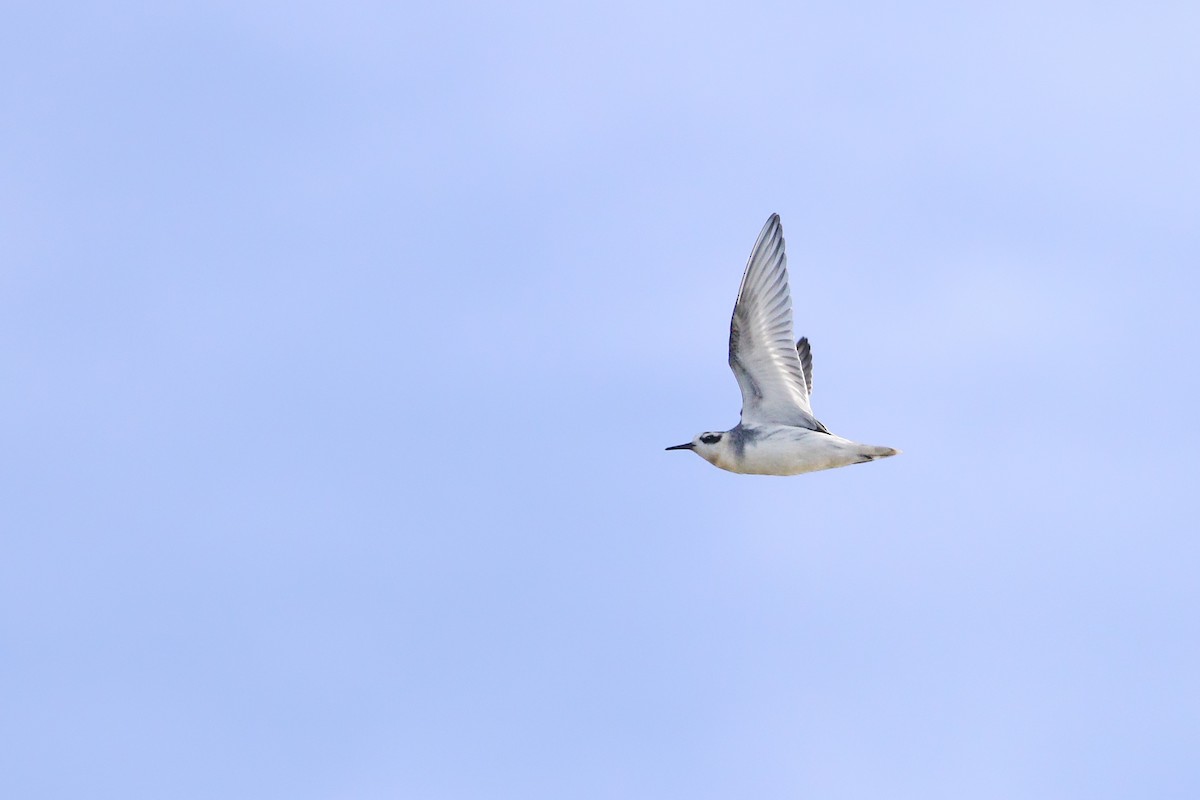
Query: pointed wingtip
[773, 223]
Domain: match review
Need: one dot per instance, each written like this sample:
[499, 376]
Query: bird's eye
[711, 438]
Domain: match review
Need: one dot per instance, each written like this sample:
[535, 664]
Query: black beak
[688, 446]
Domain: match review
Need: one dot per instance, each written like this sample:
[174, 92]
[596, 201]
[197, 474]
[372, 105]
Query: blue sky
[341, 344]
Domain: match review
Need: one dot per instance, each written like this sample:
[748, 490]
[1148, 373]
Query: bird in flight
[777, 434]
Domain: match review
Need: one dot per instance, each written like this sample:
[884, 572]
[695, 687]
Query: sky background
[340, 345]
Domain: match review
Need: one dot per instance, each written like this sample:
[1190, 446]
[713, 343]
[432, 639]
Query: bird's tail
[871, 452]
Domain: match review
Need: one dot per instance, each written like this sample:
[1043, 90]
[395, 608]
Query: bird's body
[785, 450]
[778, 434]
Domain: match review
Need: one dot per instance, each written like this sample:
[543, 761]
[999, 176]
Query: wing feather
[805, 353]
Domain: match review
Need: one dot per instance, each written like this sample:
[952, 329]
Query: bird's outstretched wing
[762, 353]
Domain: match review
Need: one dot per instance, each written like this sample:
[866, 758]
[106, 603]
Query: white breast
[785, 450]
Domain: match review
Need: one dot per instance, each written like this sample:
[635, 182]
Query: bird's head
[709, 445]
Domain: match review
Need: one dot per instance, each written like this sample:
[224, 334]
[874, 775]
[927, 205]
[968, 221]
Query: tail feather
[872, 452]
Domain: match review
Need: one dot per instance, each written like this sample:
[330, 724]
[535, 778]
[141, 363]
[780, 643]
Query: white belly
[793, 451]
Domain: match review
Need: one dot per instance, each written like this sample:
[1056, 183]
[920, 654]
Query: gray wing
[805, 353]
[762, 353]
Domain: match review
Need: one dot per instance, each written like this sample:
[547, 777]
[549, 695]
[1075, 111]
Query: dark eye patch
[711, 438]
